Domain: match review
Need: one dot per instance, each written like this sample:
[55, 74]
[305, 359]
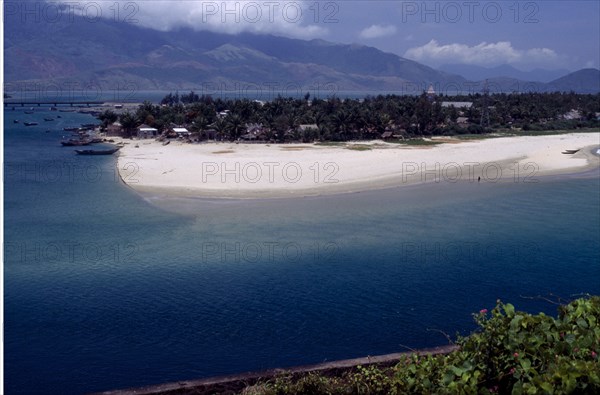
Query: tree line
[336, 119]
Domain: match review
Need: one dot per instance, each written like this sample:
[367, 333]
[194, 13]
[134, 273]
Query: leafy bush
[511, 352]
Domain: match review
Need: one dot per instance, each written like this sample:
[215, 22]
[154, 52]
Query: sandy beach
[230, 170]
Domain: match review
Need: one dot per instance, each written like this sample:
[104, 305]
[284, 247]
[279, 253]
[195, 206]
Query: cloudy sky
[524, 34]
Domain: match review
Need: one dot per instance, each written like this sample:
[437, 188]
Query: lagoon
[105, 288]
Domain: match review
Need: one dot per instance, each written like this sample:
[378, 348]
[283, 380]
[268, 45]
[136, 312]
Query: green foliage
[512, 352]
[366, 119]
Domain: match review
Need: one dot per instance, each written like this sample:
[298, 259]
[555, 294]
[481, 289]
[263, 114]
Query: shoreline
[259, 171]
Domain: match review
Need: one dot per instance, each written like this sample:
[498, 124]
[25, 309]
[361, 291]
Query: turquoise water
[106, 289]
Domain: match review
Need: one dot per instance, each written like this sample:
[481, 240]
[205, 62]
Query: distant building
[181, 132]
[254, 131]
[114, 129]
[311, 126]
[457, 104]
[572, 115]
[462, 121]
[146, 132]
[431, 93]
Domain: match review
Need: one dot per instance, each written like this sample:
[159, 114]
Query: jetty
[53, 103]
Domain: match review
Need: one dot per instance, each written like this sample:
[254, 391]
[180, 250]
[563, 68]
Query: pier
[39, 103]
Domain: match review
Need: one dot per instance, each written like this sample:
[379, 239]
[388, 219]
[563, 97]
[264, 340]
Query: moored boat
[74, 143]
[96, 152]
[30, 123]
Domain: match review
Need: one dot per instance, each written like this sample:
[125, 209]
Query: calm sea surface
[106, 289]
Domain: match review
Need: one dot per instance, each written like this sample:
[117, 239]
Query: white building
[146, 132]
[181, 132]
[457, 104]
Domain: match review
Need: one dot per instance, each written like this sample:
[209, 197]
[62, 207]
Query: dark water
[105, 289]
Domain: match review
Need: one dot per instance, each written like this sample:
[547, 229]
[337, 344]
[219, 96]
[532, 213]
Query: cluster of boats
[83, 139]
[87, 141]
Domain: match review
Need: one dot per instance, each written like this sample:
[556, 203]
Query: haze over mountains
[478, 73]
[109, 54]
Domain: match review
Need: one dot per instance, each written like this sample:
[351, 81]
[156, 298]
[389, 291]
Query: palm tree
[107, 117]
[220, 127]
[235, 126]
[129, 123]
[199, 124]
[341, 121]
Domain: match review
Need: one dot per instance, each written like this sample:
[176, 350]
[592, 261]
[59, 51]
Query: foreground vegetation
[511, 352]
[334, 119]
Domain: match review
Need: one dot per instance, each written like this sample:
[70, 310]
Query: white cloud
[483, 54]
[376, 31]
[288, 18]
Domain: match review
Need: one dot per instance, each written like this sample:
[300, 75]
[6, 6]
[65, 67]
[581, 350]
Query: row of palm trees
[351, 119]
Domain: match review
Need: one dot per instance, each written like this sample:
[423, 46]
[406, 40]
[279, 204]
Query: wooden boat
[74, 143]
[570, 151]
[96, 152]
[30, 123]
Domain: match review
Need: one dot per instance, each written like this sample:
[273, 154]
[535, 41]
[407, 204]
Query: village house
[572, 115]
[114, 129]
[457, 104]
[254, 131]
[146, 132]
[181, 132]
[463, 122]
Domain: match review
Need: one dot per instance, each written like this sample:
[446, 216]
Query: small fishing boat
[570, 151]
[30, 123]
[166, 143]
[28, 112]
[48, 119]
[71, 129]
[16, 121]
[96, 152]
[74, 143]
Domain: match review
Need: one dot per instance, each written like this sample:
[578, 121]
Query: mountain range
[478, 73]
[109, 54]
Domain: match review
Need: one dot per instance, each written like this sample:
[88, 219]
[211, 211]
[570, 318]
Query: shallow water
[107, 289]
